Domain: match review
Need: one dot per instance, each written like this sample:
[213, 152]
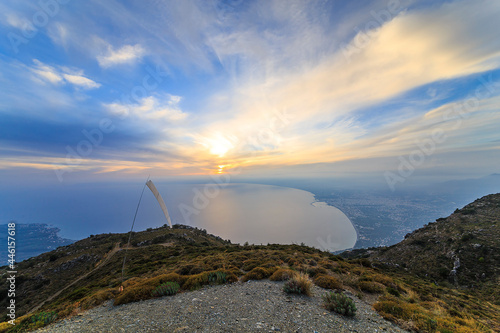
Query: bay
[257, 214]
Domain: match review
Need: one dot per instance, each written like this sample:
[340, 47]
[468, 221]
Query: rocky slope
[462, 250]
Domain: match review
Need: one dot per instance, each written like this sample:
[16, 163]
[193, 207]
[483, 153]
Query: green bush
[217, 277]
[166, 289]
[340, 303]
[214, 277]
[44, 318]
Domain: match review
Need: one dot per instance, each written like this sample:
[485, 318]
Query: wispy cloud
[125, 55]
[16, 21]
[164, 109]
[49, 74]
[414, 49]
[81, 81]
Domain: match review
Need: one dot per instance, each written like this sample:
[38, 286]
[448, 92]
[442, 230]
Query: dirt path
[106, 258]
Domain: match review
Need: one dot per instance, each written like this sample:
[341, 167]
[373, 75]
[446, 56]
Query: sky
[94, 90]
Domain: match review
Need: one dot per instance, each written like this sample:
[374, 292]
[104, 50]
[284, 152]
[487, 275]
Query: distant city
[382, 217]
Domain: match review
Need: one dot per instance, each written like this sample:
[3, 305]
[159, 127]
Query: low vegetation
[327, 282]
[371, 287]
[166, 289]
[28, 323]
[282, 274]
[340, 303]
[257, 273]
[300, 283]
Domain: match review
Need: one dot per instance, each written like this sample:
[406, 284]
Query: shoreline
[353, 225]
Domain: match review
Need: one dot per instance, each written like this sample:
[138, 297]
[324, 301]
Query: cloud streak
[125, 55]
[49, 74]
[267, 83]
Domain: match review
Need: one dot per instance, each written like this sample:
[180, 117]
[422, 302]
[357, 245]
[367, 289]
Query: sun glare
[219, 145]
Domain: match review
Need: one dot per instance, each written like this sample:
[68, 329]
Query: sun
[220, 148]
[219, 145]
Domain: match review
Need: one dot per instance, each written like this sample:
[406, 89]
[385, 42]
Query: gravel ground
[254, 306]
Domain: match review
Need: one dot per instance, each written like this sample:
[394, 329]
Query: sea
[253, 213]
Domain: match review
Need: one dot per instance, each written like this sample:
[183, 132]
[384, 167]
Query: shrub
[315, 271]
[282, 274]
[385, 280]
[197, 269]
[136, 293]
[362, 261]
[214, 277]
[391, 309]
[393, 291]
[327, 282]
[371, 287]
[250, 264]
[298, 284]
[185, 269]
[217, 277]
[327, 264]
[98, 298]
[467, 237]
[340, 303]
[44, 317]
[312, 262]
[140, 290]
[258, 273]
[166, 289]
[159, 279]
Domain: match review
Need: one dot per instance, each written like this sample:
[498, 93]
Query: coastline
[325, 204]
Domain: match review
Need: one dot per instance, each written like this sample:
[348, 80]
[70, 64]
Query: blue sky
[96, 90]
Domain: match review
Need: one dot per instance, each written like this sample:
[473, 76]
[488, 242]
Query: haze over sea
[239, 212]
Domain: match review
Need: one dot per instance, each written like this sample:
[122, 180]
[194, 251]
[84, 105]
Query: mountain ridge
[462, 249]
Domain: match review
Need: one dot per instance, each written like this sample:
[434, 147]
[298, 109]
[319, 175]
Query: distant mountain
[466, 190]
[31, 240]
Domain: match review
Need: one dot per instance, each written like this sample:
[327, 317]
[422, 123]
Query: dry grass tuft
[299, 284]
[258, 273]
[282, 274]
[371, 287]
[98, 298]
[327, 282]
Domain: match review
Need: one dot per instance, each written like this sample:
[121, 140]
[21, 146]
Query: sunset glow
[271, 87]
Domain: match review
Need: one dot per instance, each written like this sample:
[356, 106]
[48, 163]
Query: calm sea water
[257, 214]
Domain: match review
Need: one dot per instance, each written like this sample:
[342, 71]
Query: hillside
[462, 250]
[77, 277]
[42, 276]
